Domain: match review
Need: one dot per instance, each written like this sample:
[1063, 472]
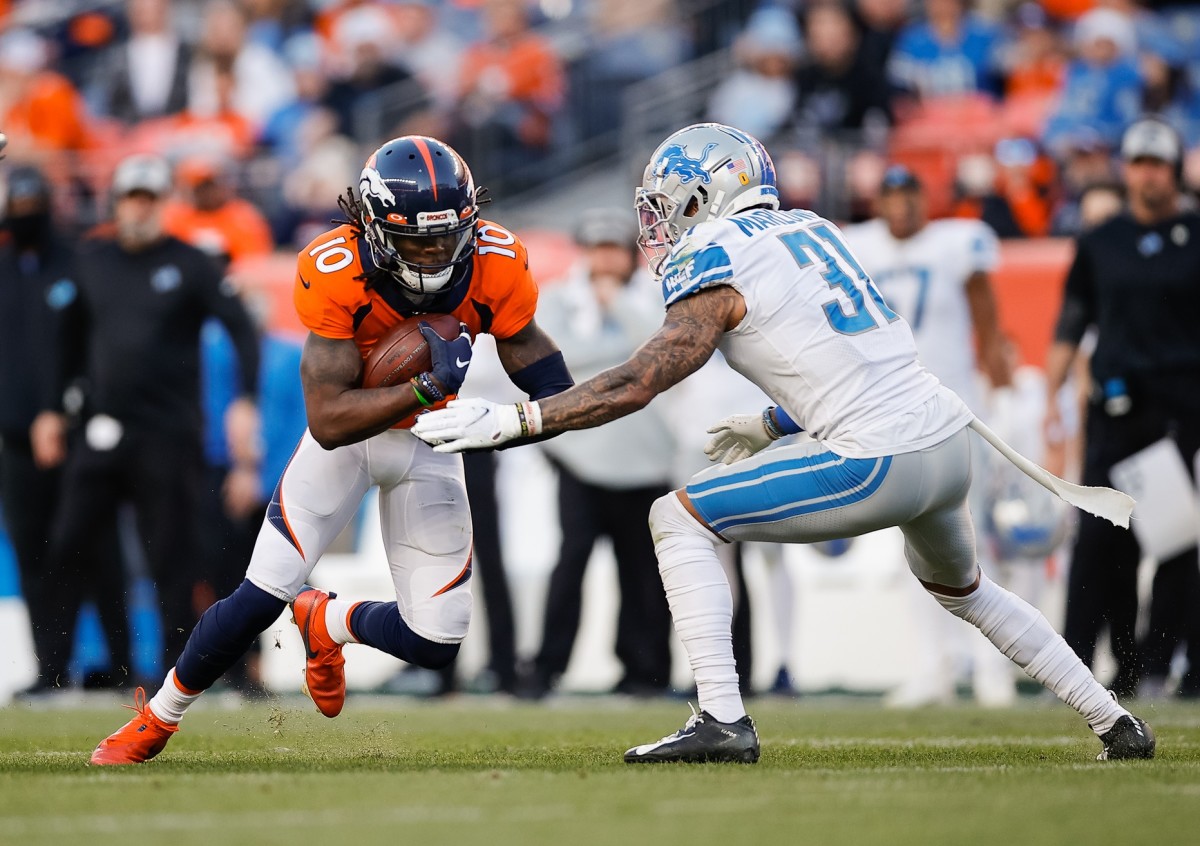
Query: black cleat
[702, 740]
[1129, 737]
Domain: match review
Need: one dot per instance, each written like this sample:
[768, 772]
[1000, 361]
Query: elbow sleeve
[544, 378]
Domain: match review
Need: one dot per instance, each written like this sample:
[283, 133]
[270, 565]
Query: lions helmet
[418, 212]
[702, 172]
[1026, 522]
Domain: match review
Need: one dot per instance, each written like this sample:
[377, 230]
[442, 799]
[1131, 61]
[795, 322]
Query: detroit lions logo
[371, 184]
[674, 160]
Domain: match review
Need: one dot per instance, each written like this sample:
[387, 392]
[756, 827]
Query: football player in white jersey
[790, 307]
[937, 275]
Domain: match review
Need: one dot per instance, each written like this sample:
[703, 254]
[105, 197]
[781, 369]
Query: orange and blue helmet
[419, 210]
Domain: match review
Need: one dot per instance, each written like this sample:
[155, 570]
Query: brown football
[403, 352]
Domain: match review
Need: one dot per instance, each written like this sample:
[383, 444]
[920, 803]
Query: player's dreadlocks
[351, 206]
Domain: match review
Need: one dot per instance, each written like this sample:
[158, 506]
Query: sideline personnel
[133, 331]
[1135, 279]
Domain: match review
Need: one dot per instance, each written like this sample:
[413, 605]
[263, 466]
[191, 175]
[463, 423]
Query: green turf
[478, 771]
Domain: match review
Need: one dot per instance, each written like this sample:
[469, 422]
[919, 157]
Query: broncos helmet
[700, 173]
[419, 206]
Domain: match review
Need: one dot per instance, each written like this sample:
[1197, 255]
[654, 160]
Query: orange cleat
[138, 740]
[325, 669]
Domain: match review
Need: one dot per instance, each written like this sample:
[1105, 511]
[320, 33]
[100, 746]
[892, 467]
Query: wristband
[773, 431]
[429, 387]
[529, 416]
[420, 396]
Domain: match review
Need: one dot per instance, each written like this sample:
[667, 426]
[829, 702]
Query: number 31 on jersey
[809, 246]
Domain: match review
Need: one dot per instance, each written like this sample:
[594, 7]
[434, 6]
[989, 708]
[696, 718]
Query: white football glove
[736, 437]
[476, 423]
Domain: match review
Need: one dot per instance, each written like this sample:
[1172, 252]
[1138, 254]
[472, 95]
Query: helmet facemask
[661, 223]
[417, 209]
[422, 258]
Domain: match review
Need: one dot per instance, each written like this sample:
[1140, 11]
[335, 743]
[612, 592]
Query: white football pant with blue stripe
[800, 493]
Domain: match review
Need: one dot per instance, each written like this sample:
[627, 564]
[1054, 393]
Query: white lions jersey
[924, 278]
[817, 337]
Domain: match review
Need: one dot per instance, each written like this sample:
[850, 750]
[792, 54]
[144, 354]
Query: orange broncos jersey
[500, 297]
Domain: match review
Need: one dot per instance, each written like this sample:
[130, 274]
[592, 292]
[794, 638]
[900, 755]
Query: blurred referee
[1136, 279]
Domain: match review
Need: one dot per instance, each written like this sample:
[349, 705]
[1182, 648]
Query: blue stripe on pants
[792, 487]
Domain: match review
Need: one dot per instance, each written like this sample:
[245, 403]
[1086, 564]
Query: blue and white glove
[450, 357]
[477, 423]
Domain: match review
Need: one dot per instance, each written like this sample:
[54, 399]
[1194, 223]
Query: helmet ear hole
[693, 206]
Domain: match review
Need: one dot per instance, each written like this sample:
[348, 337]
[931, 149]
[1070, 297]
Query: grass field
[485, 771]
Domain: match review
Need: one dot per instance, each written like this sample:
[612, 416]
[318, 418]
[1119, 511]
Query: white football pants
[423, 512]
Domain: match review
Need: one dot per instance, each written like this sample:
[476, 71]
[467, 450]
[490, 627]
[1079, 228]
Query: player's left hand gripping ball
[477, 423]
[450, 357]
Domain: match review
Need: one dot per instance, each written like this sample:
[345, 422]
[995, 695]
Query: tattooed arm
[339, 412]
[685, 341]
[688, 337]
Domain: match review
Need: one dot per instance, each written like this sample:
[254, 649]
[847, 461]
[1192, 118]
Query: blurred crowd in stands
[1007, 110]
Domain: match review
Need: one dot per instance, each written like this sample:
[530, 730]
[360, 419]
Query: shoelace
[691, 721]
[139, 702]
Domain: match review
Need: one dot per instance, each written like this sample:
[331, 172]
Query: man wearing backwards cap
[133, 331]
[1135, 279]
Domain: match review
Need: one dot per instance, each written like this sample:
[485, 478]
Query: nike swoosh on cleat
[307, 625]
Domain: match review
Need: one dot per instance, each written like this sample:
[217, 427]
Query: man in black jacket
[133, 333]
[1135, 279]
[37, 267]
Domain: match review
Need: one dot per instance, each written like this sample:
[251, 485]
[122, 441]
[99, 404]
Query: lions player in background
[413, 243]
[791, 309]
[937, 275]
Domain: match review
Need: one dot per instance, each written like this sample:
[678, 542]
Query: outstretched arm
[687, 338]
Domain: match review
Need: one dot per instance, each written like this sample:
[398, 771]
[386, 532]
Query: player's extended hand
[450, 357]
[474, 423]
[736, 437]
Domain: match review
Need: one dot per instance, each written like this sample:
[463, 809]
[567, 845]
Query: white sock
[701, 605]
[1021, 632]
[337, 620]
[783, 599]
[170, 702]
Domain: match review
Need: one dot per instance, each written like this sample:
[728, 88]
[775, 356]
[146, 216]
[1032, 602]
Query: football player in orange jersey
[413, 243]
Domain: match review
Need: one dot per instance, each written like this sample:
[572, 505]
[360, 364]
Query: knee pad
[669, 517]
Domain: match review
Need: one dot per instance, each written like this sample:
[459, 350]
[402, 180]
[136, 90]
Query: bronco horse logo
[371, 184]
[675, 160]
